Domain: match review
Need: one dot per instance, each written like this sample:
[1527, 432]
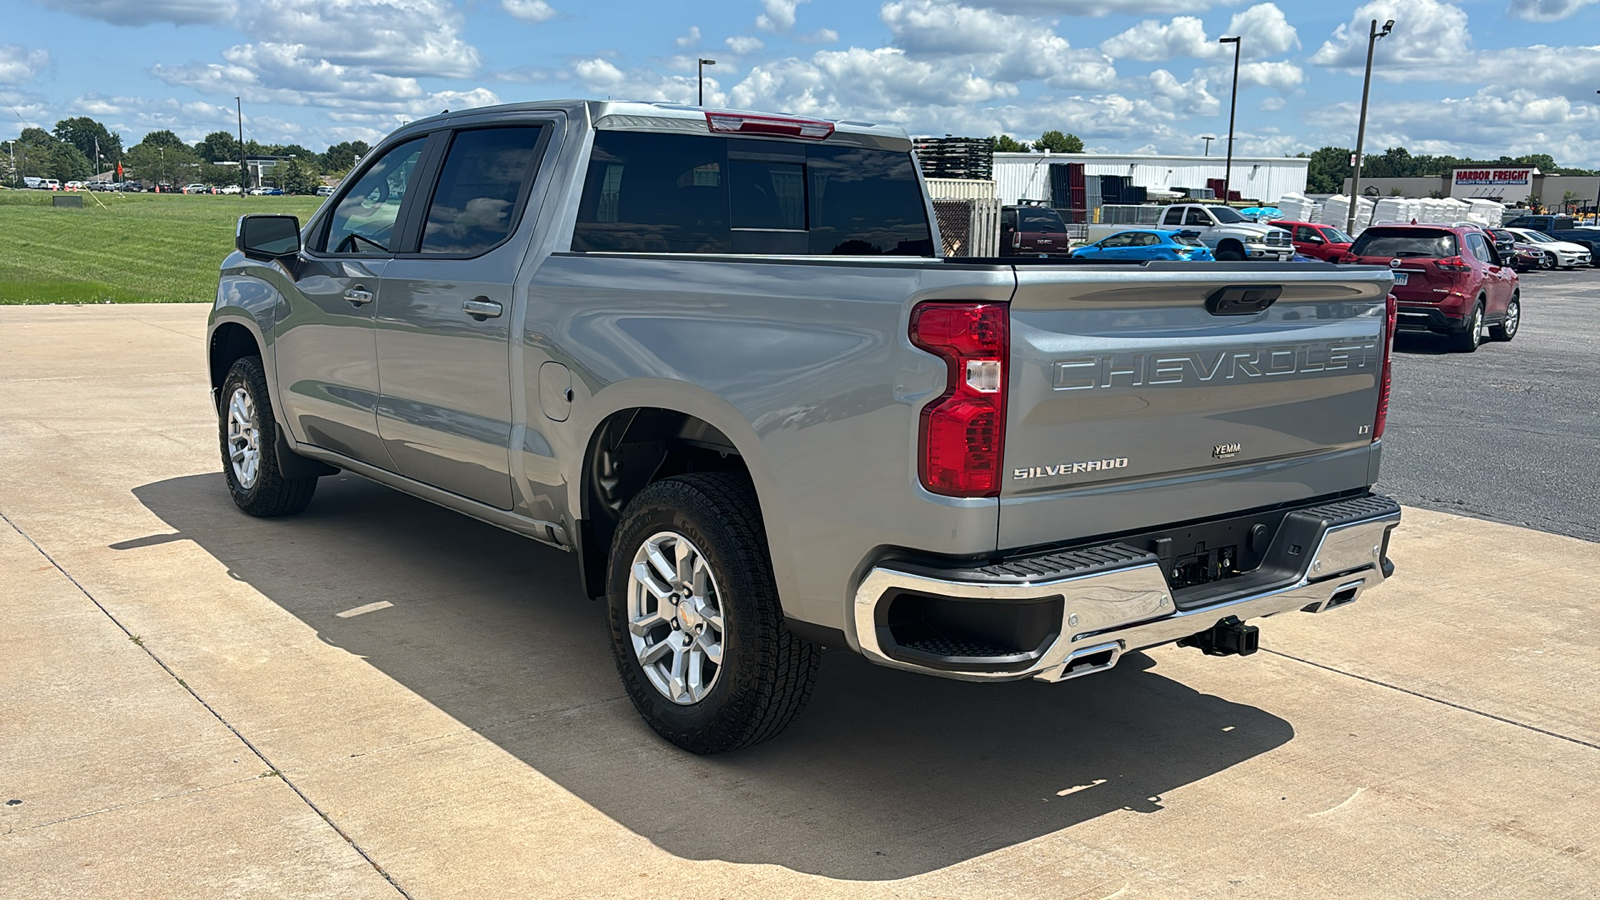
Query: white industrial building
[1026, 176]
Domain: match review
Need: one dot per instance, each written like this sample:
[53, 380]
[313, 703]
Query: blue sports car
[1146, 243]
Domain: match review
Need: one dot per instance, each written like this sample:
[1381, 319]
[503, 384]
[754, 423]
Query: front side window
[676, 193]
[475, 205]
[364, 220]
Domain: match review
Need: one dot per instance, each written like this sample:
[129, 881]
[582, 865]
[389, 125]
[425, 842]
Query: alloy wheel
[675, 618]
[244, 439]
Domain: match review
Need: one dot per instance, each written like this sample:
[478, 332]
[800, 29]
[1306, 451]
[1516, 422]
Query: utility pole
[1361, 127]
[1233, 108]
[1596, 199]
[1208, 138]
[700, 77]
[239, 109]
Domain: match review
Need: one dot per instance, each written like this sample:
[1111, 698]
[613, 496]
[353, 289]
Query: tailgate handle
[1243, 300]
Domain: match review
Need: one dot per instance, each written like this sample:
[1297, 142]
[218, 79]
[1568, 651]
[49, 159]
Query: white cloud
[1095, 8]
[993, 45]
[1546, 10]
[1489, 123]
[689, 38]
[744, 44]
[1280, 75]
[598, 72]
[1428, 34]
[1187, 98]
[19, 64]
[820, 36]
[147, 12]
[778, 16]
[1263, 29]
[1151, 41]
[534, 11]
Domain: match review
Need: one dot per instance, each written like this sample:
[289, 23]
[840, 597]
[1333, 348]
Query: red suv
[1448, 280]
[1316, 240]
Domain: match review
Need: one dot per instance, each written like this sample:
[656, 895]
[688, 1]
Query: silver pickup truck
[717, 357]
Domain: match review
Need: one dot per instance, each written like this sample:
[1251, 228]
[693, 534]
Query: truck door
[328, 372]
[443, 326]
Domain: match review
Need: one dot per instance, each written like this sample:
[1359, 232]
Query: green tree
[41, 155]
[1327, 170]
[218, 146]
[1057, 142]
[84, 133]
[1005, 143]
[161, 162]
[294, 176]
[341, 157]
[163, 138]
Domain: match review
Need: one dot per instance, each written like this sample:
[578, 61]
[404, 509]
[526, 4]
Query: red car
[1448, 280]
[1317, 241]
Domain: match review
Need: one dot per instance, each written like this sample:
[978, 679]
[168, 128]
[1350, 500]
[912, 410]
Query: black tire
[1229, 252]
[269, 494]
[1508, 328]
[767, 673]
[1468, 339]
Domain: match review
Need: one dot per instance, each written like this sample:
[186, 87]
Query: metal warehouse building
[1026, 176]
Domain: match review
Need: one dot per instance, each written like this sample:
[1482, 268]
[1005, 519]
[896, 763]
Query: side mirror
[1315, 239]
[268, 237]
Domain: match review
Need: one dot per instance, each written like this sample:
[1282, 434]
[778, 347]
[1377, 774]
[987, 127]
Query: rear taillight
[1383, 377]
[961, 441]
[1453, 264]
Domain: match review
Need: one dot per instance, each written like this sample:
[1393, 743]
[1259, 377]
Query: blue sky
[1469, 78]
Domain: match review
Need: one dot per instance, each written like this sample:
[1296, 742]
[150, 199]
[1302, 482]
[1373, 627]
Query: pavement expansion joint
[209, 708]
[1439, 700]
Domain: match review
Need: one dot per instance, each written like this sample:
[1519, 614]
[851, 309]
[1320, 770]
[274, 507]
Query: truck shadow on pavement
[886, 775]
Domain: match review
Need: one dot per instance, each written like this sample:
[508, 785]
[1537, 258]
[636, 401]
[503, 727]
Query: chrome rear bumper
[1115, 609]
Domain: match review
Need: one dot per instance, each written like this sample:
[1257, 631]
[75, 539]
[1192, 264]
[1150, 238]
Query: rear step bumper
[1059, 615]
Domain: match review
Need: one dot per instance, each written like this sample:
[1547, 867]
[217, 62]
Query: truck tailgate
[1161, 393]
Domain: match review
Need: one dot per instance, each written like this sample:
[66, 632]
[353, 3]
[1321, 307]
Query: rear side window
[1406, 244]
[675, 193]
[475, 204]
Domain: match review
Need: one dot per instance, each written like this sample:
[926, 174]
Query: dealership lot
[381, 698]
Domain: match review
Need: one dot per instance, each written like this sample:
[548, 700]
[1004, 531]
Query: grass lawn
[136, 248]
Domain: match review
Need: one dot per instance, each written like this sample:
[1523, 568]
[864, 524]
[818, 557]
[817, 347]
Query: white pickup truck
[1230, 235]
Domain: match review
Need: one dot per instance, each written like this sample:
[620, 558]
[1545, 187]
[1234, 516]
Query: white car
[233, 189]
[1561, 253]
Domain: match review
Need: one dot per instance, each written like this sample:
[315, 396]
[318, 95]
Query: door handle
[358, 296]
[481, 308]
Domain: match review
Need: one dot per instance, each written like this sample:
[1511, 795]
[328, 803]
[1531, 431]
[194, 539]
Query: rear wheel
[696, 627]
[1468, 340]
[1507, 329]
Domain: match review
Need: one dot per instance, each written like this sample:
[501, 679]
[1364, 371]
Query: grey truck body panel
[804, 367]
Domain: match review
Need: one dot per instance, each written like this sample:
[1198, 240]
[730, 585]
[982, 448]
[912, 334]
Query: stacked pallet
[956, 157]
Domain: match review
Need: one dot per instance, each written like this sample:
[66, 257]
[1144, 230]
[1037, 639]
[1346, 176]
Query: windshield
[1406, 244]
[1227, 215]
[1537, 237]
[1338, 237]
[1188, 240]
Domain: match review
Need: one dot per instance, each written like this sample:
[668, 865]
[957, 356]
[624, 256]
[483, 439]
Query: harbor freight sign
[1491, 182]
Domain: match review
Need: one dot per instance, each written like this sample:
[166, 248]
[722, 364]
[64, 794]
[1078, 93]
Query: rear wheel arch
[629, 450]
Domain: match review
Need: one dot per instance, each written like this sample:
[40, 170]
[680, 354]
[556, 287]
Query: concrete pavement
[382, 698]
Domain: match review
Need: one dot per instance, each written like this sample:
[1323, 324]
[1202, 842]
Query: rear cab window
[649, 192]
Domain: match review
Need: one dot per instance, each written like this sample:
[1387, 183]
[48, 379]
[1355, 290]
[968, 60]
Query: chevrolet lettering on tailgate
[1083, 373]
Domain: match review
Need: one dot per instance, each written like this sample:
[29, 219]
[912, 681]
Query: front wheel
[249, 437]
[1468, 340]
[1507, 329]
[1229, 252]
[696, 627]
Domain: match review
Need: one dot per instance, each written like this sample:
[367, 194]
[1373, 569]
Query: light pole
[1597, 199]
[1361, 128]
[237, 108]
[1208, 138]
[1227, 173]
[700, 77]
